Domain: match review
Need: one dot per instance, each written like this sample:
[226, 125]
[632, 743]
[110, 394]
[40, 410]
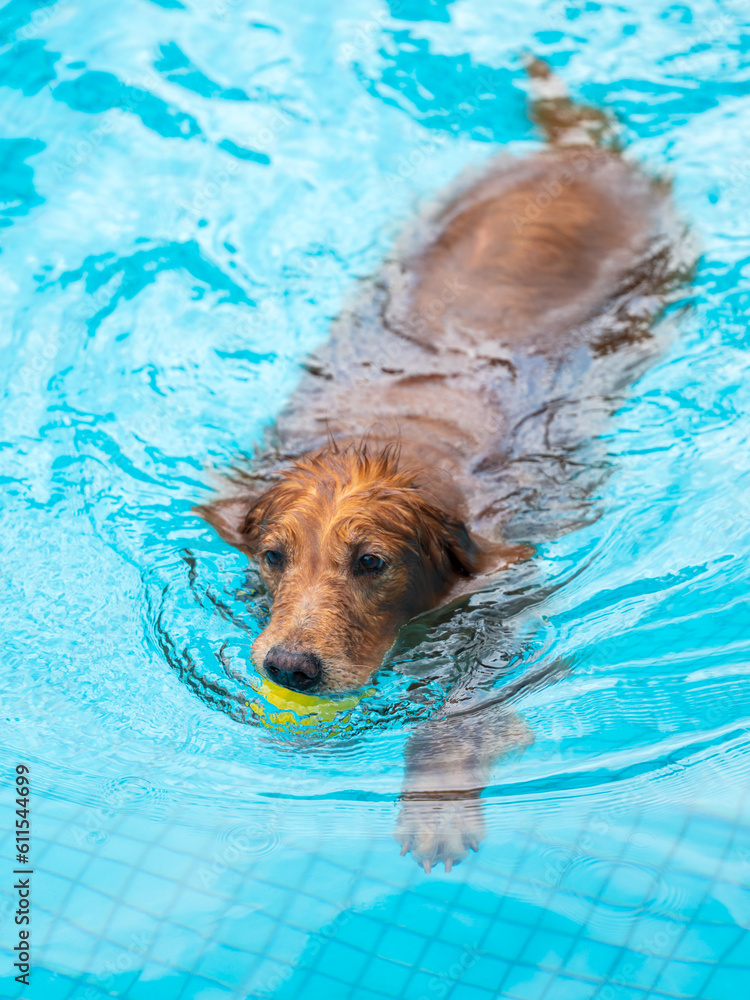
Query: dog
[376, 498]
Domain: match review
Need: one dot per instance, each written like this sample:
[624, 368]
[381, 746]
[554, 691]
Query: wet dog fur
[328, 516]
[376, 499]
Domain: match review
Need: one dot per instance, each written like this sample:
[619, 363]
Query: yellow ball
[296, 709]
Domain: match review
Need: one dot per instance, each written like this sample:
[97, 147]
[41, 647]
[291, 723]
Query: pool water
[189, 192]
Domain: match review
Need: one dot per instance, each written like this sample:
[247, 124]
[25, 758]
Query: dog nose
[298, 671]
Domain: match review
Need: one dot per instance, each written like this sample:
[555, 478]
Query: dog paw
[440, 829]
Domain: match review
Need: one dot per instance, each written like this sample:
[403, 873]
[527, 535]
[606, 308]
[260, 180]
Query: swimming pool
[189, 192]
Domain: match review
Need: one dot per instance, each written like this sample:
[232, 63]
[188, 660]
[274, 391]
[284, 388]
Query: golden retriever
[376, 498]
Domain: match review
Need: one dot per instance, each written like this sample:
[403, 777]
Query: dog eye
[370, 563]
[273, 557]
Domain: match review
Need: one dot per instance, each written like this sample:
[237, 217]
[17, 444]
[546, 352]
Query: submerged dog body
[487, 316]
[471, 366]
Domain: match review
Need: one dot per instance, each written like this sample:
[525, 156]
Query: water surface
[189, 194]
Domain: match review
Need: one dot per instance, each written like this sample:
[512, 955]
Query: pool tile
[705, 942]
[65, 861]
[87, 909]
[198, 988]
[465, 991]
[366, 994]
[464, 929]
[667, 825]
[220, 963]
[506, 940]
[726, 984]
[313, 913]
[51, 890]
[636, 970]
[657, 935]
[529, 867]
[256, 897]
[685, 889]
[327, 881]
[442, 892]
[501, 858]
[524, 983]
[400, 945]
[439, 957]
[157, 982]
[176, 946]
[206, 905]
[707, 835]
[623, 993]
[628, 887]
[69, 946]
[285, 944]
[389, 977]
[426, 986]
[682, 979]
[156, 893]
[341, 961]
[107, 876]
[487, 972]
[586, 879]
[51, 986]
[713, 911]
[169, 864]
[251, 932]
[416, 912]
[574, 989]
[591, 959]
[480, 898]
[122, 849]
[547, 949]
[126, 921]
[740, 953]
[267, 978]
[361, 931]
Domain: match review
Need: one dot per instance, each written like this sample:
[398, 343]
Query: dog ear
[461, 550]
[445, 541]
[233, 519]
[470, 555]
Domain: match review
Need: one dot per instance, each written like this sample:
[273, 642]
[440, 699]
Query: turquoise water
[189, 193]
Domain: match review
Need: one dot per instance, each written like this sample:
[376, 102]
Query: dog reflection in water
[479, 358]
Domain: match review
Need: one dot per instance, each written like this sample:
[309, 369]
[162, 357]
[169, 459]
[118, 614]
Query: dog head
[350, 547]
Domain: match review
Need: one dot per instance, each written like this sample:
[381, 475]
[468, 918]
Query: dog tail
[564, 122]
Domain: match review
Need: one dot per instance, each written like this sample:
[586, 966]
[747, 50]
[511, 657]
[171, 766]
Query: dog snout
[293, 669]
